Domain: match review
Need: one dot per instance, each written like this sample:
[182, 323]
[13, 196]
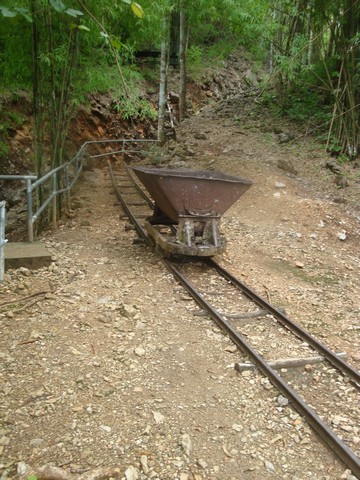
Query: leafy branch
[114, 43]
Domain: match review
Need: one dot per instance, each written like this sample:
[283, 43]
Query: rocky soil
[107, 371]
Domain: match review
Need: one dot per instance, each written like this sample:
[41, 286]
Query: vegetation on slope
[60, 52]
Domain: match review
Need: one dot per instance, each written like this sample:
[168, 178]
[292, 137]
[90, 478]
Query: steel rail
[350, 459]
[329, 437]
[290, 324]
[139, 190]
[119, 196]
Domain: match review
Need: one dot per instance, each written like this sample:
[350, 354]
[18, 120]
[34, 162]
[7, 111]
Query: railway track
[264, 336]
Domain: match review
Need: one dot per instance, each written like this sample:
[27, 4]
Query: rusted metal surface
[191, 192]
[169, 244]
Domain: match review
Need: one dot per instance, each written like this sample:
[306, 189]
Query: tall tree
[347, 95]
[37, 95]
[56, 63]
[163, 77]
[316, 43]
[183, 37]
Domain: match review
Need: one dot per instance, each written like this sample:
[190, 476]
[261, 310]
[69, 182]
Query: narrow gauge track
[137, 206]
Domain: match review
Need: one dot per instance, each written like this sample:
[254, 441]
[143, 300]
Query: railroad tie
[286, 362]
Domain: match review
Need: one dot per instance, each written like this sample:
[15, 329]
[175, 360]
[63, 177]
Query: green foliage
[201, 59]
[100, 77]
[343, 159]
[57, 5]
[137, 9]
[4, 149]
[15, 73]
[7, 13]
[217, 53]
[61, 8]
[195, 63]
[334, 148]
[304, 43]
[305, 105]
[134, 106]
[9, 122]
[311, 59]
[150, 74]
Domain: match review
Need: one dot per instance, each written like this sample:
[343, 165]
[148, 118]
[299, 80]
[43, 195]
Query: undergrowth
[105, 79]
[201, 59]
[10, 121]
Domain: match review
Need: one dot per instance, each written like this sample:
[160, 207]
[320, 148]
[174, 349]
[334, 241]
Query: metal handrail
[77, 164]
[2, 239]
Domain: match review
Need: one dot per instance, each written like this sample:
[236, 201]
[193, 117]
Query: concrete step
[24, 254]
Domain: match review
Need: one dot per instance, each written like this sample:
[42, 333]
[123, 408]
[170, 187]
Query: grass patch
[323, 279]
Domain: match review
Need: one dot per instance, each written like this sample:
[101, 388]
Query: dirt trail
[111, 369]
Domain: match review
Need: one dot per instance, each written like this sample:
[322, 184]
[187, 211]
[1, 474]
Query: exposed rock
[131, 473]
[333, 166]
[287, 166]
[341, 181]
[282, 401]
[285, 137]
[200, 136]
[186, 445]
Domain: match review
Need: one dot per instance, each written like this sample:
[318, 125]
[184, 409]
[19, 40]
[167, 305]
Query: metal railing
[2, 239]
[63, 178]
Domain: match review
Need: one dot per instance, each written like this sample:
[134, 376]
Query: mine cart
[188, 208]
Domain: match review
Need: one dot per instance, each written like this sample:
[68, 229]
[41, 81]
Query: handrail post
[2, 239]
[67, 187]
[29, 210]
[54, 201]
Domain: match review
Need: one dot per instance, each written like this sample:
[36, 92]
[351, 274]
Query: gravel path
[110, 374]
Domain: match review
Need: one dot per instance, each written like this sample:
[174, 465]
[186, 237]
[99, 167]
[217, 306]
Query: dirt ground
[109, 373]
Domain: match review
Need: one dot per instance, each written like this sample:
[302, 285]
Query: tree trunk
[62, 107]
[163, 79]
[309, 32]
[37, 104]
[349, 51]
[182, 58]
